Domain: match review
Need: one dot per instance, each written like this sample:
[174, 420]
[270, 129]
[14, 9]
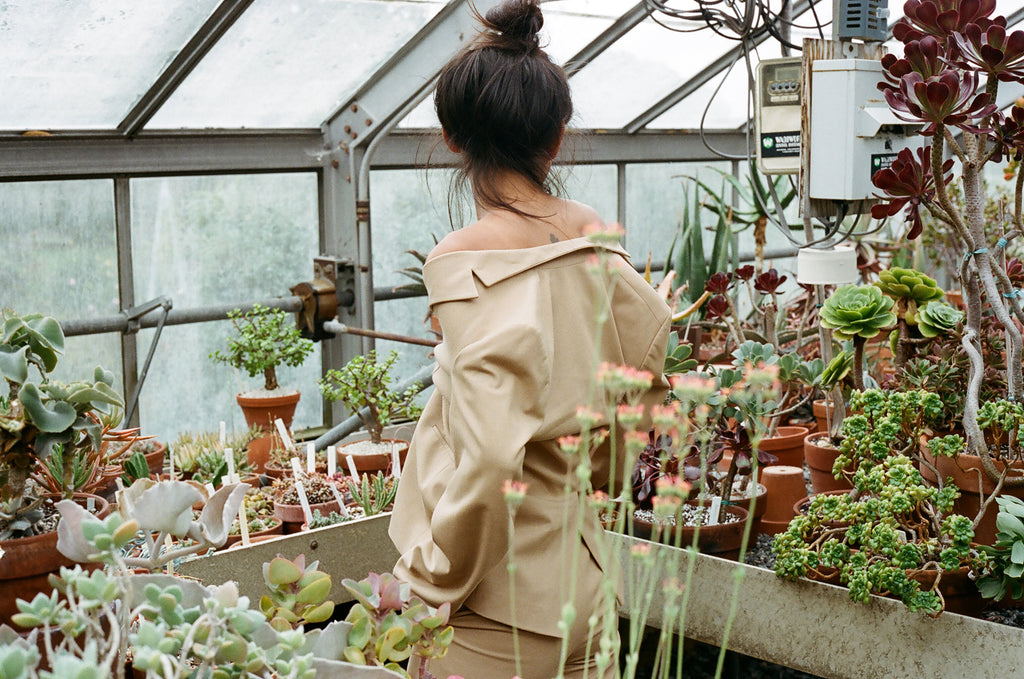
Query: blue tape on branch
[1013, 293]
[1002, 243]
[976, 252]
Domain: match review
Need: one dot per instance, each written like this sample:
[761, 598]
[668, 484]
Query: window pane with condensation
[292, 64]
[60, 259]
[84, 64]
[228, 239]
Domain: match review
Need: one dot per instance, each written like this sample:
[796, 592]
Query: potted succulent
[263, 342]
[363, 387]
[956, 60]
[50, 428]
[893, 533]
[177, 628]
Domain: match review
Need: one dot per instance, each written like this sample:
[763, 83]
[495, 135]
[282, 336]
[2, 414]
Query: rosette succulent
[857, 312]
[910, 289]
[937, 318]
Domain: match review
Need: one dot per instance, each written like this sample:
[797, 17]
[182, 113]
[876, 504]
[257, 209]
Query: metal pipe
[121, 323]
[422, 379]
[338, 327]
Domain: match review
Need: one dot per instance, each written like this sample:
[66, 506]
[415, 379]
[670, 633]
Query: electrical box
[863, 19]
[853, 131]
[779, 85]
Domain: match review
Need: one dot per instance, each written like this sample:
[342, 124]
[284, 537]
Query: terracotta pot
[263, 412]
[744, 501]
[721, 540]
[373, 462]
[973, 483]
[293, 517]
[785, 486]
[155, 459]
[955, 299]
[28, 562]
[820, 459]
[277, 529]
[787, 445]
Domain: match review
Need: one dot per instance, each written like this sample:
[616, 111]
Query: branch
[951, 140]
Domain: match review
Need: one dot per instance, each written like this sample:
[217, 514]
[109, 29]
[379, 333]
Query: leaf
[13, 364]
[55, 418]
[1010, 525]
[1017, 553]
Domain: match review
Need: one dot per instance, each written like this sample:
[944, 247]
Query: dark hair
[504, 103]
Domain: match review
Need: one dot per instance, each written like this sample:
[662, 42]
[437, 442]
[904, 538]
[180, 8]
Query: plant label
[304, 501]
[712, 516]
[286, 438]
[332, 460]
[310, 458]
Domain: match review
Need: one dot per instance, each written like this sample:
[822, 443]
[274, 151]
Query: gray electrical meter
[779, 93]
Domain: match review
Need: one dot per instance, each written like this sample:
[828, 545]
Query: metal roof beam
[607, 38]
[407, 76]
[707, 73]
[212, 30]
[76, 157]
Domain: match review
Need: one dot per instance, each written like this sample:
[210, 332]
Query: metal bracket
[133, 315]
[355, 121]
[342, 272]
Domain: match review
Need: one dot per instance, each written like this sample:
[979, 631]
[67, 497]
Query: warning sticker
[881, 161]
[780, 144]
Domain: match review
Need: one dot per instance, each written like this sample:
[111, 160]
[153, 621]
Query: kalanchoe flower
[907, 182]
[768, 283]
[717, 307]
[990, 49]
[718, 283]
[949, 98]
[939, 18]
[745, 272]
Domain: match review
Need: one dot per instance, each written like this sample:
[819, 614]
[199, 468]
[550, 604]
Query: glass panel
[60, 259]
[218, 240]
[291, 66]
[84, 64]
[569, 26]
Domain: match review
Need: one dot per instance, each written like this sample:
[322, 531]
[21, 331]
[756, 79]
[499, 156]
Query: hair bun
[515, 25]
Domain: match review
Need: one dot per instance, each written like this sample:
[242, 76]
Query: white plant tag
[296, 468]
[310, 458]
[304, 501]
[332, 460]
[712, 516]
[342, 509]
[243, 524]
[282, 430]
[90, 504]
[396, 464]
[229, 457]
[352, 469]
[223, 434]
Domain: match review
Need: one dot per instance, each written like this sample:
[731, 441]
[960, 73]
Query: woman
[516, 300]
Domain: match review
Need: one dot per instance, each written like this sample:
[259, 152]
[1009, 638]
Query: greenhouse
[494, 338]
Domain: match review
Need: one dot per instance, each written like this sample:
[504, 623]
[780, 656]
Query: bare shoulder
[579, 216]
[471, 237]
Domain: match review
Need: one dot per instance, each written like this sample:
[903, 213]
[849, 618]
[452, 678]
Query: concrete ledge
[804, 625]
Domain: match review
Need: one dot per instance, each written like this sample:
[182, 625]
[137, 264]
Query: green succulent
[910, 289]
[297, 593]
[937, 318]
[857, 311]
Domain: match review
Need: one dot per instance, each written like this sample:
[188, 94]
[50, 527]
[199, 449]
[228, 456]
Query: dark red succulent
[656, 460]
[718, 282]
[1015, 272]
[736, 440]
[1008, 134]
[949, 98]
[745, 272]
[939, 18]
[716, 307]
[768, 282]
[920, 56]
[990, 49]
[907, 182]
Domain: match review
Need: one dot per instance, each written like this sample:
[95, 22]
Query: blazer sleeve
[495, 406]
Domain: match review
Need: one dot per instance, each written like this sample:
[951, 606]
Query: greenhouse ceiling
[295, 73]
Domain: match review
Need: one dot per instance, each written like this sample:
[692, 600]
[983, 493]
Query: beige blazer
[519, 350]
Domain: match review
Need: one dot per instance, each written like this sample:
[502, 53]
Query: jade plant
[37, 418]
[363, 386]
[297, 593]
[264, 341]
[389, 624]
[891, 525]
